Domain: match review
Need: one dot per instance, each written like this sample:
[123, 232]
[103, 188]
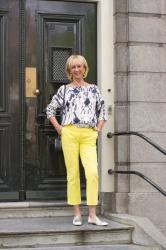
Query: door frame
[105, 79]
[105, 69]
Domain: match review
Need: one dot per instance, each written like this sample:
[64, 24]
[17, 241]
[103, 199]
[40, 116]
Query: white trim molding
[105, 76]
[106, 84]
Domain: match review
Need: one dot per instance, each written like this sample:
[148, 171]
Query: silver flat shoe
[77, 221]
[96, 221]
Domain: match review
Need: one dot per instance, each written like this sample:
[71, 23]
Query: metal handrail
[111, 171]
[110, 135]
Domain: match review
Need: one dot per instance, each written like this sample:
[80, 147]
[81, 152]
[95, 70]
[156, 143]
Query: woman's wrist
[56, 125]
[98, 129]
[100, 125]
[58, 128]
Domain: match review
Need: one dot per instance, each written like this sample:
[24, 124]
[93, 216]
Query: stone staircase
[48, 226]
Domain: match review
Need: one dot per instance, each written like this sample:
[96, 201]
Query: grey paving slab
[96, 247]
[52, 224]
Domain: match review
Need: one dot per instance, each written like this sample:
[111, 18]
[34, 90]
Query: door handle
[36, 92]
[31, 82]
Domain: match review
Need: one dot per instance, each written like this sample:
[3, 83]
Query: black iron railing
[145, 138]
[111, 171]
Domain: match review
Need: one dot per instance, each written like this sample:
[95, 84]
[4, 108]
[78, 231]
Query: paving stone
[95, 247]
[51, 231]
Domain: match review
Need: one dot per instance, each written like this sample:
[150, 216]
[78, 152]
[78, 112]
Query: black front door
[10, 129]
[54, 31]
[36, 38]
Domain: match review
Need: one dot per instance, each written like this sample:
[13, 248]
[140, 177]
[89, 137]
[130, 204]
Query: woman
[83, 118]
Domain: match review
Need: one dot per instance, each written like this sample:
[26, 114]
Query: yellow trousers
[80, 142]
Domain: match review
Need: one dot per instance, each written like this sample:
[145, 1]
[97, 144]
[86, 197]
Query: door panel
[9, 101]
[54, 30]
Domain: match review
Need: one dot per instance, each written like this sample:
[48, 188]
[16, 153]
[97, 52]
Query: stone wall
[140, 105]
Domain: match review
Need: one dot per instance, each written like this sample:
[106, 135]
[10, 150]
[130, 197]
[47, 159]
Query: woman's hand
[59, 129]
[100, 125]
[98, 130]
[56, 125]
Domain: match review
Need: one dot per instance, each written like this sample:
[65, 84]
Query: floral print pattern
[82, 106]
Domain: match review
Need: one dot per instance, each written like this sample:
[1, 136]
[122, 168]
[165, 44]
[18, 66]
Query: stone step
[57, 231]
[92, 247]
[32, 209]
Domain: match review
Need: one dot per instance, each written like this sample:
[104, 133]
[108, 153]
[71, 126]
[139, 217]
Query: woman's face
[77, 70]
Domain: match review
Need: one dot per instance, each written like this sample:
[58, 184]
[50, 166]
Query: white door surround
[105, 79]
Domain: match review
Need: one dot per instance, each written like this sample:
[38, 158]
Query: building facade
[124, 43]
[140, 105]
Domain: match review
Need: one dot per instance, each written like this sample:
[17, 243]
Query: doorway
[36, 52]
[54, 31]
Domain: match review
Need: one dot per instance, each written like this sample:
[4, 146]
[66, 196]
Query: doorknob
[36, 92]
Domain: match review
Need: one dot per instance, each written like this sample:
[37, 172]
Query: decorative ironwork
[58, 61]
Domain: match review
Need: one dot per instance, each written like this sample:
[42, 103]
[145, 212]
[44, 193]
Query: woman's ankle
[92, 216]
[92, 211]
[77, 211]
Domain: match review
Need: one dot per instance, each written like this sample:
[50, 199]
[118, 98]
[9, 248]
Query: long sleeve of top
[82, 106]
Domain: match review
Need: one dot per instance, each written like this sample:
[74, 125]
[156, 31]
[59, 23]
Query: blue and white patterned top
[83, 106]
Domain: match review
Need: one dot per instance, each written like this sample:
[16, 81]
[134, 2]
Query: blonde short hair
[70, 62]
